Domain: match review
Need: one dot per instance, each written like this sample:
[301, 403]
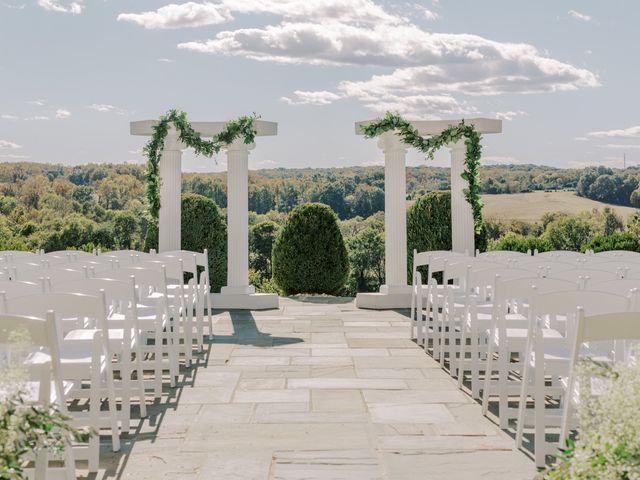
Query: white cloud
[62, 114]
[581, 139]
[500, 160]
[105, 108]
[621, 146]
[192, 14]
[36, 103]
[428, 14]
[428, 61]
[74, 8]
[173, 16]
[579, 16]
[12, 156]
[165, 60]
[6, 116]
[38, 117]
[311, 98]
[8, 144]
[631, 132]
[510, 115]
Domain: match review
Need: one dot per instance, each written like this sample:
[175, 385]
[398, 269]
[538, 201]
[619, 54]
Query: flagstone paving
[317, 390]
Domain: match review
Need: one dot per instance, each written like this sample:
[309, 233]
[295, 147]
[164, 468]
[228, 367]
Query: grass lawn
[529, 207]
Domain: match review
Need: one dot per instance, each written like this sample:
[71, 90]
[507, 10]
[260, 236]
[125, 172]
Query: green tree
[125, 226]
[569, 233]
[309, 255]
[366, 257]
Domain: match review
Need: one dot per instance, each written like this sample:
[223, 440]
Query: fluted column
[238, 219]
[170, 167]
[462, 228]
[395, 212]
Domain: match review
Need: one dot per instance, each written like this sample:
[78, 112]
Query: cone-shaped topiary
[202, 227]
[309, 255]
[429, 226]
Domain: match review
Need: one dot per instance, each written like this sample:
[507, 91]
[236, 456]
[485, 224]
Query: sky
[562, 75]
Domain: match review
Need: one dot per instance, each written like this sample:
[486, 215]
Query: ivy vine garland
[242, 127]
[428, 146]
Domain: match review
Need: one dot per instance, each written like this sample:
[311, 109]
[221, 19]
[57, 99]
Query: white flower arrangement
[608, 443]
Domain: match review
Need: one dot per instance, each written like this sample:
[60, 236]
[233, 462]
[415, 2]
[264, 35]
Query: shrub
[202, 227]
[519, 243]
[309, 255]
[429, 226]
[615, 241]
[261, 238]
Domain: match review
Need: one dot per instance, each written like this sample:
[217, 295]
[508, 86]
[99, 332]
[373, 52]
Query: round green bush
[202, 227]
[429, 226]
[615, 241]
[309, 255]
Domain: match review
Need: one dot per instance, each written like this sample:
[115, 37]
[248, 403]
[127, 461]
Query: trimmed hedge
[615, 241]
[309, 255]
[202, 227]
[429, 226]
[261, 239]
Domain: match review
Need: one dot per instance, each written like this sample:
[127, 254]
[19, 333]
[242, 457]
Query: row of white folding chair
[156, 311]
[433, 261]
[87, 361]
[43, 384]
[124, 336]
[549, 358]
[507, 337]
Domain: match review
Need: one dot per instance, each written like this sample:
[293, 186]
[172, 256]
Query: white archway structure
[396, 293]
[238, 293]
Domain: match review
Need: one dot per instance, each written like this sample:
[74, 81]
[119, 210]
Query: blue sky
[563, 75]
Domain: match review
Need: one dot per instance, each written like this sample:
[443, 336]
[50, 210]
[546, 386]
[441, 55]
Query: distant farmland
[529, 207]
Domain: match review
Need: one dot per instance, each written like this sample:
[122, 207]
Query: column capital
[238, 145]
[172, 140]
[391, 142]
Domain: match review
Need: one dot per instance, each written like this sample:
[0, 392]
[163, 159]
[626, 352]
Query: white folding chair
[607, 327]
[81, 362]
[44, 384]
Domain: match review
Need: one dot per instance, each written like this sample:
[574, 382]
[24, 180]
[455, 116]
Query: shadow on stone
[246, 332]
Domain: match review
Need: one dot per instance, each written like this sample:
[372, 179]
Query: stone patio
[316, 390]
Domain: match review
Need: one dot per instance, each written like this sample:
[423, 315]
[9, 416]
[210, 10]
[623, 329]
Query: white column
[238, 219]
[395, 213]
[170, 189]
[462, 227]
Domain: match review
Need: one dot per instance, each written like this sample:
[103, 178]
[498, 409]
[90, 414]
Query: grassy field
[529, 207]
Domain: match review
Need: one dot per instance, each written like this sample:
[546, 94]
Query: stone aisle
[317, 391]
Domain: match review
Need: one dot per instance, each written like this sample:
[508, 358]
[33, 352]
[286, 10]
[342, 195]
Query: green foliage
[202, 227]
[242, 127]
[309, 255]
[569, 232]
[428, 146]
[366, 257]
[429, 225]
[612, 186]
[519, 243]
[615, 241]
[124, 230]
[261, 239]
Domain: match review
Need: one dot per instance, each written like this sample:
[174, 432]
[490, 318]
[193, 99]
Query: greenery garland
[239, 128]
[428, 146]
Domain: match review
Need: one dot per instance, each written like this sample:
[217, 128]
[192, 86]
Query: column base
[244, 301]
[389, 297]
[238, 290]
